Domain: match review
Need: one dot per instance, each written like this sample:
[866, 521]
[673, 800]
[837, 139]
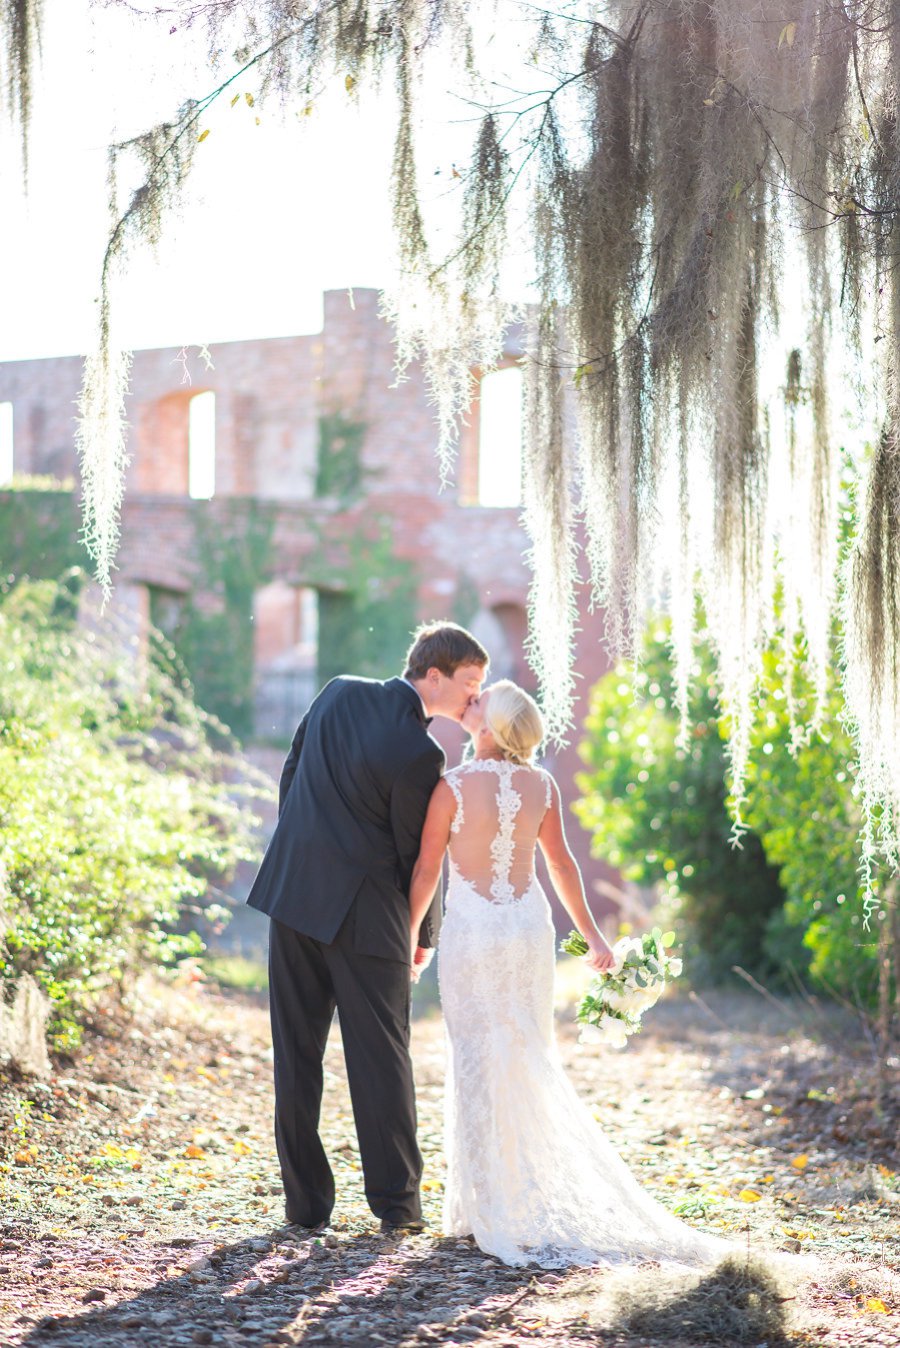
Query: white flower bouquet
[612, 1007]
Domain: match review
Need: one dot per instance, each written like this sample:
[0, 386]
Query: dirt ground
[140, 1202]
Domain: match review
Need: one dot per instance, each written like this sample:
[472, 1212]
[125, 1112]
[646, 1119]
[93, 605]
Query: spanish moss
[681, 178]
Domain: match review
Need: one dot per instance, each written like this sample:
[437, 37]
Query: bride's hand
[422, 957]
[600, 954]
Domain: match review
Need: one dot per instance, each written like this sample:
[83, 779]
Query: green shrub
[789, 900]
[119, 802]
[803, 805]
[659, 813]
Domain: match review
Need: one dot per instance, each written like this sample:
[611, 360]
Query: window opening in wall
[6, 444]
[202, 446]
[490, 447]
[286, 623]
[167, 608]
[500, 438]
[309, 623]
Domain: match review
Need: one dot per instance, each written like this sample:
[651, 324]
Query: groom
[335, 883]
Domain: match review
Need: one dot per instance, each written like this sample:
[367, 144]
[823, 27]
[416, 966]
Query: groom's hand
[422, 957]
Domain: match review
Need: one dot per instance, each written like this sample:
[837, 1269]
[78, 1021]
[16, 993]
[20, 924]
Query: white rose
[644, 998]
[623, 948]
[616, 1033]
[611, 1031]
[619, 1001]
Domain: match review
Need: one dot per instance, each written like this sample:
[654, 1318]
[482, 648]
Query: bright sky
[275, 213]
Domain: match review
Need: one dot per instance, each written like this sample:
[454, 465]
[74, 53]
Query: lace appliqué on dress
[509, 803]
[459, 816]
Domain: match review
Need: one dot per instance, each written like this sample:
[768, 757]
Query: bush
[659, 813]
[118, 805]
[789, 901]
[803, 805]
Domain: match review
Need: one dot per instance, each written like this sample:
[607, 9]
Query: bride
[529, 1172]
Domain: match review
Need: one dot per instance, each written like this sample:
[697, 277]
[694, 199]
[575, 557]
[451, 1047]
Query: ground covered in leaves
[140, 1202]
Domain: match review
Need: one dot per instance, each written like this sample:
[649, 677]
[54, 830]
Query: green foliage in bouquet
[119, 803]
[659, 813]
[616, 998]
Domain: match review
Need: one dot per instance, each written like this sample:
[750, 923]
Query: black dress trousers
[307, 980]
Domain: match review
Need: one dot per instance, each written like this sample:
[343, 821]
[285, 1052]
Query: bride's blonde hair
[514, 720]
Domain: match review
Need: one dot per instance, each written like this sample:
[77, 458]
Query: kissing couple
[351, 882]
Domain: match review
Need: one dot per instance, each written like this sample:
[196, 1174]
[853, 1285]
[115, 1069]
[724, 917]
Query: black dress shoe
[411, 1227]
[300, 1229]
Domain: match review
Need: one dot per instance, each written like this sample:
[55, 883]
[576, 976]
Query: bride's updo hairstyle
[514, 720]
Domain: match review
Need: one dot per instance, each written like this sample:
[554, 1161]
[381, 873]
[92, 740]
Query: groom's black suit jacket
[352, 800]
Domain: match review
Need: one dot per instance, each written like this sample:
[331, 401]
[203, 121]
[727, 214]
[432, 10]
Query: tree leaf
[202, 137]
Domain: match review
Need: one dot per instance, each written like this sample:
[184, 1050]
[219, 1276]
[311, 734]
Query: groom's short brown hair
[444, 646]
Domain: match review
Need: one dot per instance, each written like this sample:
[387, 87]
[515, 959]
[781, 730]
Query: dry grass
[740, 1301]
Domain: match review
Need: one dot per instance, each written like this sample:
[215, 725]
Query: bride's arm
[567, 882]
[427, 870]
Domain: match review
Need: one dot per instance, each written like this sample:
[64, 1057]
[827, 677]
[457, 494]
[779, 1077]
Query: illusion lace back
[529, 1172]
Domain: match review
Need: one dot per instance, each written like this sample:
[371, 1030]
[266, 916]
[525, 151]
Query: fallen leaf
[876, 1304]
[202, 136]
[800, 1162]
[749, 1196]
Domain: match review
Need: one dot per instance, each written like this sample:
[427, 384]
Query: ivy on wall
[339, 466]
[367, 598]
[212, 631]
[367, 608]
[39, 526]
[467, 600]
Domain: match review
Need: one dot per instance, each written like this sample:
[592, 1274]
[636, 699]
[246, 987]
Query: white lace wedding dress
[529, 1172]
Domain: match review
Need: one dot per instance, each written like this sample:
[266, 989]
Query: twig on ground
[704, 1006]
[764, 992]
